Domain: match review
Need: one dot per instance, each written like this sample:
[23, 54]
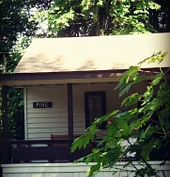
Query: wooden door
[95, 106]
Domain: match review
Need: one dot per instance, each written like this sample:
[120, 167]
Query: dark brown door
[95, 106]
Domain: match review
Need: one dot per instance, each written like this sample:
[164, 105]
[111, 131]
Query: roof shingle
[92, 53]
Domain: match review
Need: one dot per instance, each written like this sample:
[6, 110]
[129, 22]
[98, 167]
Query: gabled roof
[92, 53]
[85, 59]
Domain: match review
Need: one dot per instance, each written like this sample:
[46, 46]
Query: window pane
[95, 107]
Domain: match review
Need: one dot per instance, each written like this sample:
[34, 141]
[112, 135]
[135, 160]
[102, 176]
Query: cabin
[67, 83]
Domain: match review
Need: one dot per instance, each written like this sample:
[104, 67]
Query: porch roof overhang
[55, 78]
[46, 78]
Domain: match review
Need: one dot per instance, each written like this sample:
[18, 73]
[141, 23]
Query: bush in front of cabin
[146, 120]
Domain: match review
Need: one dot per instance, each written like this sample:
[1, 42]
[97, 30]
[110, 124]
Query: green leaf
[93, 170]
[130, 100]
[153, 5]
[113, 155]
[112, 129]
[157, 79]
[125, 89]
[130, 75]
[104, 118]
[147, 95]
[78, 144]
[156, 57]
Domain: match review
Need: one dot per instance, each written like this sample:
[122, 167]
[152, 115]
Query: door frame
[86, 94]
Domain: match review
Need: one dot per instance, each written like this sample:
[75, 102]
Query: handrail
[51, 150]
[34, 141]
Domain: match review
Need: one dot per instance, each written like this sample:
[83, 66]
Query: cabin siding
[113, 100]
[76, 170]
[42, 122]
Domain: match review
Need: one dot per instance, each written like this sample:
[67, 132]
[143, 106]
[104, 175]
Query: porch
[50, 131]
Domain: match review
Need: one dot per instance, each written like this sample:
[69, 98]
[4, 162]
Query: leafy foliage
[101, 17]
[148, 123]
[14, 20]
[15, 24]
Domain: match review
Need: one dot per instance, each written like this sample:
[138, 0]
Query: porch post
[4, 113]
[70, 111]
[5, 147]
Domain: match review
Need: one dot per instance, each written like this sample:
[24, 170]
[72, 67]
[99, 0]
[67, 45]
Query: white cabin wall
[112, 100]
[42, 122]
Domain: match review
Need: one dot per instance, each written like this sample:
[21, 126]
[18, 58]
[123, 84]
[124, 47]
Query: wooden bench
[74, 155]
[63, 137]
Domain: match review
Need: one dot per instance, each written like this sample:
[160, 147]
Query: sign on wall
[45, 104]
